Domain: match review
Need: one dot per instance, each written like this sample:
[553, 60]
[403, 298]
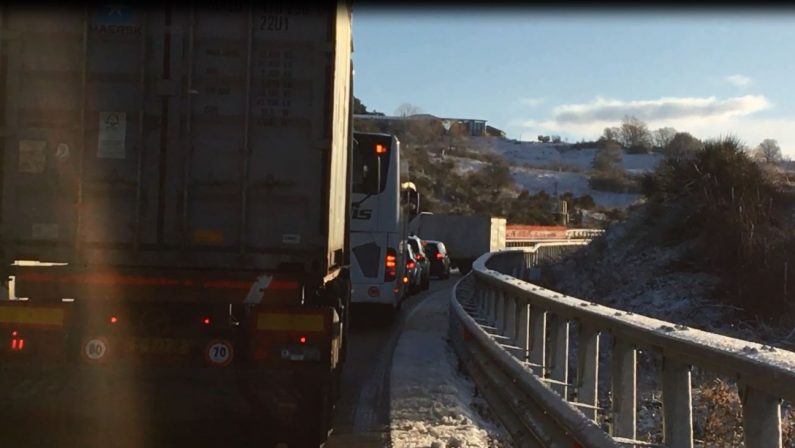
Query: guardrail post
[538, 341]
[522, 332]
[480, 297]
[624, 383]
[761, 418]
[588, 370]
[499, 322]
[510, 317]
[491, 301]
[677, 404]
[559, 357]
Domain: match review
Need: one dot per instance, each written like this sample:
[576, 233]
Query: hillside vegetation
[435, 158]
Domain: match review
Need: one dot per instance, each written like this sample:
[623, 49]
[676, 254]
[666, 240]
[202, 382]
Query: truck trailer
[175, 213]
[466, 237]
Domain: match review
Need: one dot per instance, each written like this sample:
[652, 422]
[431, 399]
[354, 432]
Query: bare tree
[663, 136]
[612, 134]
[609, 158]
[682, 145]
[407, 109]
[768, 151]
[635, 135]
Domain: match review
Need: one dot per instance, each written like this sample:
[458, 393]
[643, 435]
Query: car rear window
[432, 248]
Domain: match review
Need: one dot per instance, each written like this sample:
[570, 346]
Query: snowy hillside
[554, 168]
[557, 154]
[536, 180]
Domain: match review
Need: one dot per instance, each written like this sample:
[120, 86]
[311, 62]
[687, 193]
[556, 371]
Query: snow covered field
[536, 180]
[554, 168]
[432, 404]
[556, 154]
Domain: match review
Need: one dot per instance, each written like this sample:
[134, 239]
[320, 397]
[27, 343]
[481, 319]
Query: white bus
[382, 203]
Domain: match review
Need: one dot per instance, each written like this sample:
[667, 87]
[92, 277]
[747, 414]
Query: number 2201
[274, 23]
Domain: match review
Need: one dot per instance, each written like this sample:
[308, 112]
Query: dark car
[413, 272]
[422, 260]
[437, 254]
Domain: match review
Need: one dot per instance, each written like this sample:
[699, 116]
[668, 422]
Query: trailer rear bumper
[156, 393]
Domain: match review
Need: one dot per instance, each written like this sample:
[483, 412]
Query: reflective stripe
[110, 278]
[290, 322]
[32, 316]
[257, 289]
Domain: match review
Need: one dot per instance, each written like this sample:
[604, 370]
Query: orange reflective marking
[109, 278]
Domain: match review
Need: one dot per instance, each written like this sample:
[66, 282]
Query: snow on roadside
[432, 404]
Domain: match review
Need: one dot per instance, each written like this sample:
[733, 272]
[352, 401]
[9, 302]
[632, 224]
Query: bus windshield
[370, 157]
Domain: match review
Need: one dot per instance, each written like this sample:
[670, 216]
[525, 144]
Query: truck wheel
[320, 407]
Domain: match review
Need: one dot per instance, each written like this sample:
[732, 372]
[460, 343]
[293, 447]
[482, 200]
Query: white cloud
[703, 117]
[739, 80]
[531, 101]
[667, 108]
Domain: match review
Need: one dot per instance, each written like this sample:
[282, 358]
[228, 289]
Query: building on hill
[472, 127]
[494, 132]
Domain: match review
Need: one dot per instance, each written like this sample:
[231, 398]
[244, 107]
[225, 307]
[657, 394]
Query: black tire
[389, 313]
[426, 282]
[315, 433]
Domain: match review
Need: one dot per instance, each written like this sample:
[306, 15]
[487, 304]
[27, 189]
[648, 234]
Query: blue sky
[537, 71]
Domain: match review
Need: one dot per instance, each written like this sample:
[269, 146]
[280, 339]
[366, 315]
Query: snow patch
[432, 404]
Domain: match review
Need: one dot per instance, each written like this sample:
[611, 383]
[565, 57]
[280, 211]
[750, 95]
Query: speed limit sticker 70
[95, 350]
[219, 353]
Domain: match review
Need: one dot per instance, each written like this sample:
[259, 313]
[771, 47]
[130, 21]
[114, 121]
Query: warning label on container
[112, 132]
[32, 156]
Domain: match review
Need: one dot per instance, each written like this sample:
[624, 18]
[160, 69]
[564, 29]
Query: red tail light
[17, 343]
[390, 273]
[410, 265]
[420, 257]
[439, 255]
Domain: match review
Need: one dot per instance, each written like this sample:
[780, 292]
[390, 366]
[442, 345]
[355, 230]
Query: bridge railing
[515, 338]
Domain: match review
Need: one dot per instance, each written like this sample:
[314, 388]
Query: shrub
[740, 217]
[617, 182]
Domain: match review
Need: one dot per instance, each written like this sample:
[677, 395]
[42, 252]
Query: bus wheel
[388, 314]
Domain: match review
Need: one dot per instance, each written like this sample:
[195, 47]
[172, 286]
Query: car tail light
[420, 257]
[405, 280]
[410, 265]
[439, 255]
[390, 264]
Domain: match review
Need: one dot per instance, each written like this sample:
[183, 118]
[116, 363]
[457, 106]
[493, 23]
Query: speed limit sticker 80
[219, 353]
[95, 350]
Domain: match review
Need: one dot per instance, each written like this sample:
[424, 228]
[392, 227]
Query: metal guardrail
[571, 234]
[514, 337]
